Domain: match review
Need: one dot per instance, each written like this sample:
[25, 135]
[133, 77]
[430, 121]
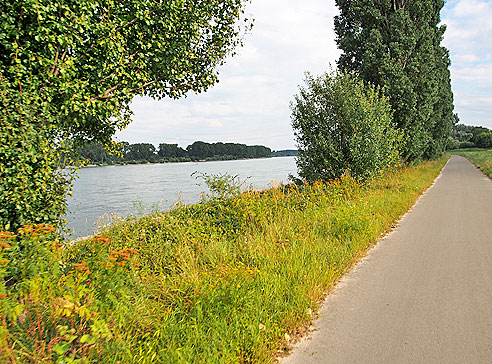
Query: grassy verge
[225, 281]
[482, 158]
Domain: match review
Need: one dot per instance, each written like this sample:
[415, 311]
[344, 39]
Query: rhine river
[100, 193]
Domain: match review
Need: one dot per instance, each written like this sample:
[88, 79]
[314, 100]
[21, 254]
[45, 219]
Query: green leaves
[343, 125]
[69, 70]
[396, 45]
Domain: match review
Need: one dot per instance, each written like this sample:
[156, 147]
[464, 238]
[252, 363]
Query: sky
[250, 104]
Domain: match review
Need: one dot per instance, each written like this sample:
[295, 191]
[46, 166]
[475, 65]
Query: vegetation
[147, 153]
[468, 136]
[396, 45]
[69, 70]
[479, 157]
[285, 153]
[228, 280]
[343, 125]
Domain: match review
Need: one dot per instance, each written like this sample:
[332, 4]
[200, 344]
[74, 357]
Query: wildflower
[4, 245]
[101, 238]
[3, 295]
[82, 267]
[4, 261]
[7, 235]
[26, 229]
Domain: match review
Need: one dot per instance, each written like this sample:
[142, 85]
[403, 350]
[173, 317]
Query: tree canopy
[82, 61]
[69, 70]
[396, 44]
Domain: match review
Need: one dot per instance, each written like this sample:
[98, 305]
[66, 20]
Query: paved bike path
[424, 293]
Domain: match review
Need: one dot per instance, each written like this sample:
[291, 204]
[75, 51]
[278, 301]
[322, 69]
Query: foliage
[285, 153]
[202, 150]
[69, 70]
[484, 140]
[32, 185]
[87, 59]
[469, 136]
[250, 268]
[343, 124]
[146, 152]
[59, 304]
[396, 45]
[171, 151]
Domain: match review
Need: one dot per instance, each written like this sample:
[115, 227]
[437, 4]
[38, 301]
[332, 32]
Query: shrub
[484, 140]
[453, 144]
[343, 124]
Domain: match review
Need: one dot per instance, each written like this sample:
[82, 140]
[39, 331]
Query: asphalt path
[424, 292]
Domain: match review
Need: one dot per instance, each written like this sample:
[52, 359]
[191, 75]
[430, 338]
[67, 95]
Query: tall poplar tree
[396, 44]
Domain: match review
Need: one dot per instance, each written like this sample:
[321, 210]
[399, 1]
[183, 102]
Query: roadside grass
[482, 158]
[230, 280]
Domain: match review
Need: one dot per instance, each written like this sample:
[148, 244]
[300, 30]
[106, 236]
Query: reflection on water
[138, 189]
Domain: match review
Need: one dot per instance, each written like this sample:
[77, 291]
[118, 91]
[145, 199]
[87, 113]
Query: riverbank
[231, 280]
[172, 160]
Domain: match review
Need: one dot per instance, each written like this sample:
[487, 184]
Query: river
[102, 192]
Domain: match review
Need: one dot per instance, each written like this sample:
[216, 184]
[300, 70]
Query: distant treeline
[468, 136]
[148, 153]
[285, 153]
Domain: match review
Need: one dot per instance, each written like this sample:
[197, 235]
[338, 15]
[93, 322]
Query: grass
[482, 158]
[229, 280]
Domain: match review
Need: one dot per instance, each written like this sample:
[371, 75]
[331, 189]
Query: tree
[171, 151]
[141, 152]
[343, 124]
[69, 70]
[484, 140]
[396, 44]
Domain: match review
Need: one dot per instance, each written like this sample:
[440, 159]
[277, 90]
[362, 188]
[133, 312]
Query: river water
[99, 193]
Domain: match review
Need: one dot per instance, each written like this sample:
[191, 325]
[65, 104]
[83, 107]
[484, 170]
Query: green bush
[484, 140]
[33, 185]
[452, 144]
[343, 125]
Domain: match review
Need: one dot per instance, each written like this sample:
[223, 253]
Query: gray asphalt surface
[424, 293]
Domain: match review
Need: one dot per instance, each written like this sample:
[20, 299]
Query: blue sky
[250, 104]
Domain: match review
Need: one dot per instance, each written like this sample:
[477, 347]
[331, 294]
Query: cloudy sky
[250, 104]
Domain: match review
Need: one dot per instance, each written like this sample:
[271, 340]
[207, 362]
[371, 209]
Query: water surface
[138, 189]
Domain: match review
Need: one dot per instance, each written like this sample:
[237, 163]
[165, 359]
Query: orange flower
[4, 245]
[81, 267]
[100, 238]
[26, 229]
[3, 295]
[4, 261]
[7, 235]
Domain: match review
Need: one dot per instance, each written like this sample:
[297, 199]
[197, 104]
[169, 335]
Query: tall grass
[482, 158]
[229, 280]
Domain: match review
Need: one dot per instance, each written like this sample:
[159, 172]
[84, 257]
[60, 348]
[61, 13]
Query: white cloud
[468, 39]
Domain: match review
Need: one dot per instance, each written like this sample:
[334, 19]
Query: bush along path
[228, 280]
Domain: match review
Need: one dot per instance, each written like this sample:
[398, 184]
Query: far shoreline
[128, 163]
